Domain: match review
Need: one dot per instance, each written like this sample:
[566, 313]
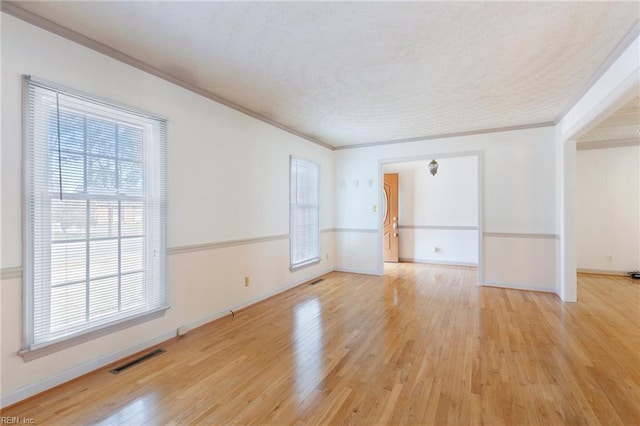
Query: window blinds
[95, 214]
[304, 212]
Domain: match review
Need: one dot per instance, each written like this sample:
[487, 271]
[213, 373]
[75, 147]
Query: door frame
[423, 157]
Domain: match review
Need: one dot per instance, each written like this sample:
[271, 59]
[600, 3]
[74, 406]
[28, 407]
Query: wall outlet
[326, 256]
[436, 249]
[609, 258]
[375, 208]
[246, 281]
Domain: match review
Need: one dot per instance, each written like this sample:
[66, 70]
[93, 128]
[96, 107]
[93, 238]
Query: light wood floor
[422, 345]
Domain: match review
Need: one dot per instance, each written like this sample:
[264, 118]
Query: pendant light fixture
[433, 167]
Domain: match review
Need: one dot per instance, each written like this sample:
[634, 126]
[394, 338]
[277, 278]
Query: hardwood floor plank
[421, 345]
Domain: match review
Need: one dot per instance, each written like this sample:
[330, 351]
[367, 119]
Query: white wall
[614, 88]
[608, 202]
[227, 180]
[518, 202]
[438, 211]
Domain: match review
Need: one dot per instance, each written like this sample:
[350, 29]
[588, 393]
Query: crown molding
[11, 8]
[623, 44]
[448, 135]
[612, 143]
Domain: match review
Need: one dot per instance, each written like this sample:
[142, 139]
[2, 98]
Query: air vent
[137, 361]
[317, 281]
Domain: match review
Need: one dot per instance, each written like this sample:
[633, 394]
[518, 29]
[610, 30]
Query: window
[95, 215]
[305, 212]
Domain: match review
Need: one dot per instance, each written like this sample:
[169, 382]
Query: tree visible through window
[95, 215]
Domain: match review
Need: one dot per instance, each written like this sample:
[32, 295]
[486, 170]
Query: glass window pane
[104, 219]
[71, 131]
[130, 142]
[68, 262]
[101, 175]
[72, 172]
[68, 219]
[132, 291]
[103, 297]
[68, 305]
[130, 178]
[103, 258]
[101, 137]
[132, 218]
[132, 255]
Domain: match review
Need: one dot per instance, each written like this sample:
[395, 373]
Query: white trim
[440, 228]
[437, 262]
[480, 161]
[447, 135]
[95, 364]
[257, 299]
[617, 51]
[602, 272]
[606, 106]
[525, 287]
[11, 273]
[223, 244]
[79, 370]
[613, 143]
[357, 271]
[356, 230]
[16, 11]
[520, 235]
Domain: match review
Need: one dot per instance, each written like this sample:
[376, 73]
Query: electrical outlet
[375, 208]
[326, 256]
[246, 281]
[609, 258]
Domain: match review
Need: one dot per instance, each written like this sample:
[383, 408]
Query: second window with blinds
[304, 212]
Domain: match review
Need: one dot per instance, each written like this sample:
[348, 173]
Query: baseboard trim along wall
[602, 272]
[514, 286]
[50, 382]
[57, 379]
[437, 262]
[356, 271]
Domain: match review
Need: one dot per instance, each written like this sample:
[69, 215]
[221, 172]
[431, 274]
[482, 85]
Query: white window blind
[95, 214]
[304, 212]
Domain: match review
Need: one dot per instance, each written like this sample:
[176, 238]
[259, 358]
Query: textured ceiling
[620, 127]
[360, 72]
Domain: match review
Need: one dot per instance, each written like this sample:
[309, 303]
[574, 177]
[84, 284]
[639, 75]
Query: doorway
[390, 241]
[439, 215]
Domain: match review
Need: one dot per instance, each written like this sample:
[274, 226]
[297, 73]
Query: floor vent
[317, 281]
[137, 361]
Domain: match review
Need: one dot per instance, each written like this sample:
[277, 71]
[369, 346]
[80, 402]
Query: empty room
[411, 213]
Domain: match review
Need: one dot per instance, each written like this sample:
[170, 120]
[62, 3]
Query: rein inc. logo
[16, 420]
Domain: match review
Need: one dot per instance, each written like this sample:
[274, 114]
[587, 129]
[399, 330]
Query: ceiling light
[433, 167]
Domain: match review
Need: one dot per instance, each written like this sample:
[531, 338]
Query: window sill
[304, 264]
[44, 349]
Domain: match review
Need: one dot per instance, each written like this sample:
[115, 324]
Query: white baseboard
[437, 262]
[224, 312]
[357, 271]
[602, 272]
[40, 386]
[514, 286]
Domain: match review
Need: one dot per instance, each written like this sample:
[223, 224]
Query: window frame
[315, 259]
[31, 349]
